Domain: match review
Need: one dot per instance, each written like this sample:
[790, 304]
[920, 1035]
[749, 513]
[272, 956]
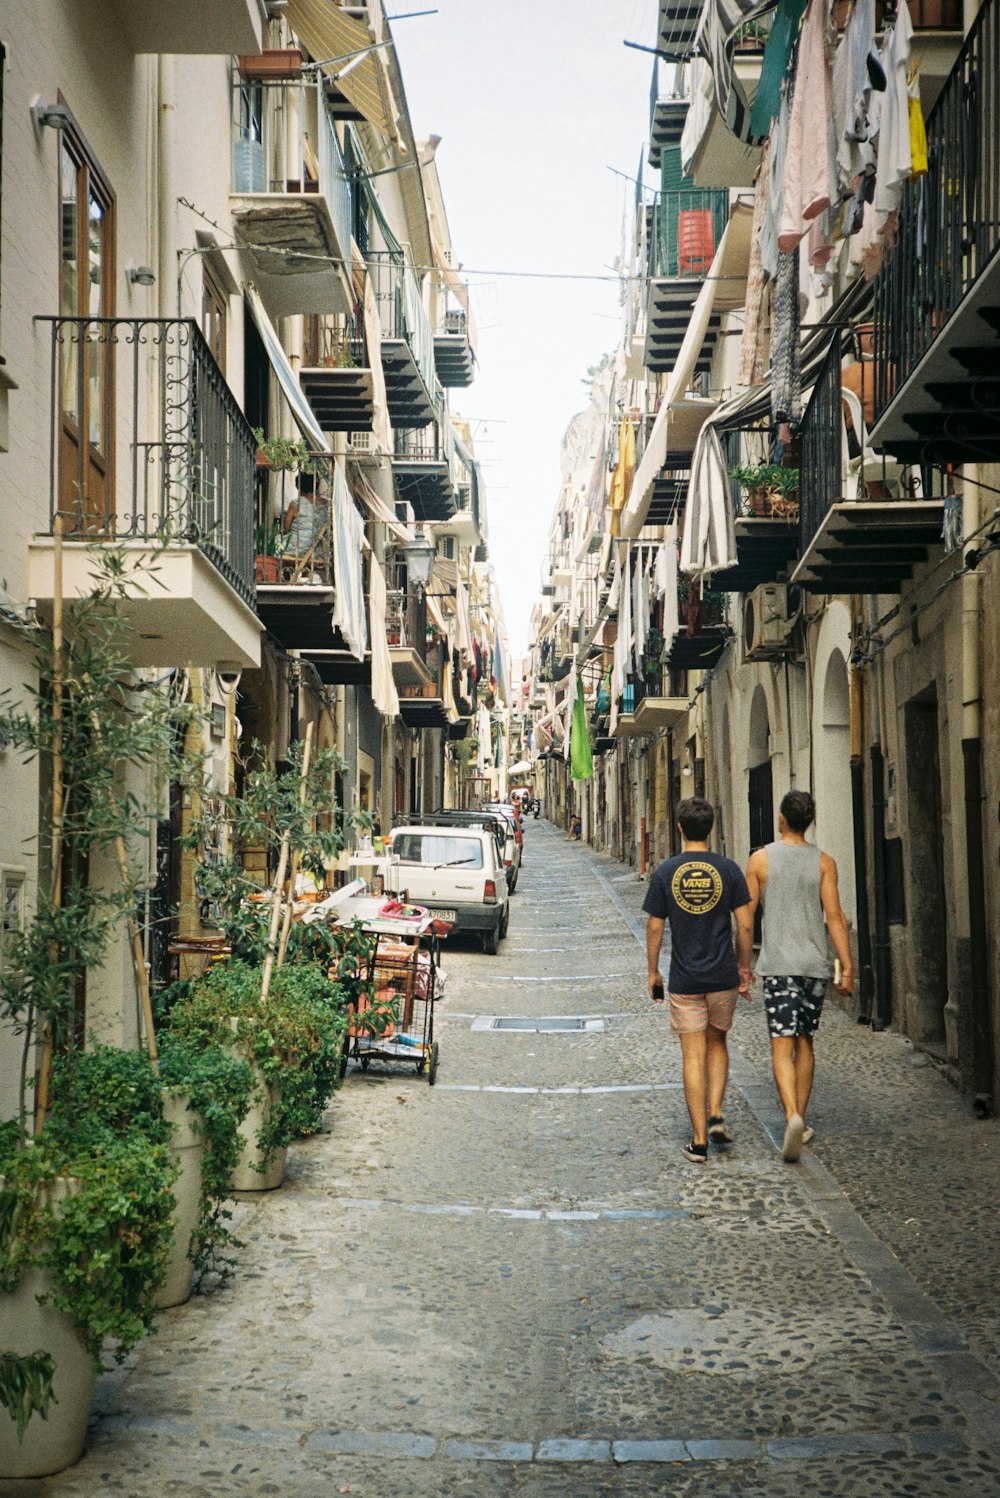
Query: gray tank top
[794, 942]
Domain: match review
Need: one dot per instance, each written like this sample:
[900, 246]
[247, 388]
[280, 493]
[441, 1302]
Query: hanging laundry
[756, 338]
[717, 30]
[774, 65]
[786, 357]
[895, 159]
[806, 186]
[621, 479]
[918, 131]
[852, 91]
[779, 150]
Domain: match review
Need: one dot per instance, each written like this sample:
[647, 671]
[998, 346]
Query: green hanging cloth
[777, 55]
[580, 758]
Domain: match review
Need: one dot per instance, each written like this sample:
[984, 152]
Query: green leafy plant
[105, 1241]
[284, 454]
[294, 1036]
[120, 1091]
[26, 1387]
[771, 489]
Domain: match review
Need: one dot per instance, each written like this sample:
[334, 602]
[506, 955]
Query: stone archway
[760, 786]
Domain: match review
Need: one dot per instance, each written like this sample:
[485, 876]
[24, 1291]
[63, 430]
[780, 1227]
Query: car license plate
[444, 915]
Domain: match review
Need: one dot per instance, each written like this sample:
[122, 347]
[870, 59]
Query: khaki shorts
[690, 1012]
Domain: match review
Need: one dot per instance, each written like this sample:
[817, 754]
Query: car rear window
[438, 848]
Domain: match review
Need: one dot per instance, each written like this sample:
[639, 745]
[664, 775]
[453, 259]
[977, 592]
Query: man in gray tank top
[797, 886]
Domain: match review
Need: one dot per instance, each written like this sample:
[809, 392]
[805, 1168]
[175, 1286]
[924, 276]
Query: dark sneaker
[717, 1132]
[697, 1153]
[791, 1149]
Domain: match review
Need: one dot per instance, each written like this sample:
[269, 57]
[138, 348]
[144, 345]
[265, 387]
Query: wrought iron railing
[821, 455]
[284, 141]
[688, 225]
[336, 344]
[147, 441]
[949, 220]
[294, 534]
[401, 311]
[406, 619]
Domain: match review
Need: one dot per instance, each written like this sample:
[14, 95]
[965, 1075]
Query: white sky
[534, 100]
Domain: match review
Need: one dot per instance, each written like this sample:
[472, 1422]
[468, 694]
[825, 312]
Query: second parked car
[457, 872]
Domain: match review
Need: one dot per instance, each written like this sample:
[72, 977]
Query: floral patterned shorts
[793, 1005]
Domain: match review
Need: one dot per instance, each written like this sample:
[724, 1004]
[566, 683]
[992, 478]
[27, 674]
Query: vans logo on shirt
[697, 887]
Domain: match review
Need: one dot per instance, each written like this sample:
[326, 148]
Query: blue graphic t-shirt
[696, 894]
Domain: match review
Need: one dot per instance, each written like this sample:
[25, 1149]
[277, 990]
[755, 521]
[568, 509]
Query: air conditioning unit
[361, 442]
[770, 614]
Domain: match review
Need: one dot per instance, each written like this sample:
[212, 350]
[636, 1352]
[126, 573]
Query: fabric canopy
[679, 420]
[521, 768]
[709, 524]
[720, 21]
[302, 411]
[379, 510]
[332, 38]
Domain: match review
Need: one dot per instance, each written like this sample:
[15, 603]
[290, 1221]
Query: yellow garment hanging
[621, 479]
[918, 135]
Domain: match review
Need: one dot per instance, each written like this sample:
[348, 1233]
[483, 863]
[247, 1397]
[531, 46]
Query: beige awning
[378, 509]
[328, 33]
[679, 420]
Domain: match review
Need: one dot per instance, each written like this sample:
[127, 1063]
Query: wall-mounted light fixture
[56, 116]
[420, 554]
[141, 275]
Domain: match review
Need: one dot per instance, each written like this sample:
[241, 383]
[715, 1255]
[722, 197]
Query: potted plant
[270, 543]
[771, 489]
[75, 1193]
[292, 1038]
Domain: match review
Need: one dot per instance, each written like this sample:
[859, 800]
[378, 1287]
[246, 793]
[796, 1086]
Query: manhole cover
[541, 1025]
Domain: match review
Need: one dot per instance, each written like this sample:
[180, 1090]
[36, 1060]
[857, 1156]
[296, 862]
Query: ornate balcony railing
[949, 220]
[821, 461]
[147, 441]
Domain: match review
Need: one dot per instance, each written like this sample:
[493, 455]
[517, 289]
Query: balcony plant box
[772, 491]
[272, 63]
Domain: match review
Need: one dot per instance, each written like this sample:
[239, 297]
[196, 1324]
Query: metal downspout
[881, 953]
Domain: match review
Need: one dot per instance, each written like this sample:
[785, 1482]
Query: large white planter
[26, 1327]
[244, 1176]
[187, 1145]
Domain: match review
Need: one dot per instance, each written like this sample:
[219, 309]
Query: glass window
[438, 849]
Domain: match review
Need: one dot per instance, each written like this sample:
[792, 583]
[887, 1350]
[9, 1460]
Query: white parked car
[458, 873]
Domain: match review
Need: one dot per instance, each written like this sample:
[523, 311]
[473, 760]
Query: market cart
[393, 1019]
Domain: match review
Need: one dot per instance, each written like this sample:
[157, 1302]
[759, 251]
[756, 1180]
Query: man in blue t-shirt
[698, 893]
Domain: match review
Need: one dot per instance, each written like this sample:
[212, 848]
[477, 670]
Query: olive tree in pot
[275, 1003]
[85, 1211]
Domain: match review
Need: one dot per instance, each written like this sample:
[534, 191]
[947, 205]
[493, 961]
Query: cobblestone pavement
[514, 1283]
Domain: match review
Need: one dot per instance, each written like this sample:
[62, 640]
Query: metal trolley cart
[393, 1022]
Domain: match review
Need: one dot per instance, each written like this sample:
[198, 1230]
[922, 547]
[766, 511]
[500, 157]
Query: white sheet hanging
[384, 694]
[348, 568]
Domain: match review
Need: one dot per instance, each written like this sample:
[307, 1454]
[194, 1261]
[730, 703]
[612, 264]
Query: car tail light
[489, 893]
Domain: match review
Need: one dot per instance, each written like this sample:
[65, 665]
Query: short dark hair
[799, 810]
[696, 817]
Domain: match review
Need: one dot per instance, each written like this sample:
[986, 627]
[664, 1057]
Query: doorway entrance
[926, 897]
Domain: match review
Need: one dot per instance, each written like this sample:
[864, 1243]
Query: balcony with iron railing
[291, 197]
[687, 226]
[407, 344]
[454, 356]
[406, 625]
[423, 467]
[937, 324]
[336, 375]
[149, 452]
[702, 633]
[863, 526]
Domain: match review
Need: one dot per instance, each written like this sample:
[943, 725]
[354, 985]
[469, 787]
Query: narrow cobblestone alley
[513, 1283]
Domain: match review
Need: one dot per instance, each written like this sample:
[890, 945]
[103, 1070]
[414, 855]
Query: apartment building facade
[793, 496]
[232, 335]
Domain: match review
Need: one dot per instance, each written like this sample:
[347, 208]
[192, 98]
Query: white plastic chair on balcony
[867, 467]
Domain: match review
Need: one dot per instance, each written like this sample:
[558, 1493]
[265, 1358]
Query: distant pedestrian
[796, 884]
[699, 893]
[575, 828]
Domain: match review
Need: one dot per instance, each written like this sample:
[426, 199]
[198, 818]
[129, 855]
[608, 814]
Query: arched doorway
[834, 825]
[760, 787]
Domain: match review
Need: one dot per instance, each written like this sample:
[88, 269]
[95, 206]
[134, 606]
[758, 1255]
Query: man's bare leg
[785, 1075]
[805, 1066]
[693, 1052]
[716, 1068]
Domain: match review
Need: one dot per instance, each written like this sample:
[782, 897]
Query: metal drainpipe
[166, 264]
[881, 953]
[865, 982]
[972, 750]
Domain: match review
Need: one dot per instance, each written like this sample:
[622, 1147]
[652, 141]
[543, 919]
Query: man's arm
[756, 878]
[744, 944]
[654, 941]
[836, 922]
